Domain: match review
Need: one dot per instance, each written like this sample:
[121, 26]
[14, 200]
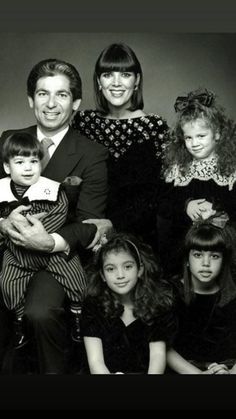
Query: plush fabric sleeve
[164, 328]
[92, 322]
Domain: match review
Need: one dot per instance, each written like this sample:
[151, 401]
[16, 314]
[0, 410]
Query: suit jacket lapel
[64, 159]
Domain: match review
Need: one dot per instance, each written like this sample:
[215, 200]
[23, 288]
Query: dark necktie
[46, 143]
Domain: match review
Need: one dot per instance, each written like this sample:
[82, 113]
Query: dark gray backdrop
[173, 64]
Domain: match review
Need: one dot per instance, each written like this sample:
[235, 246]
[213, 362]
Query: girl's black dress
[126, 348]
[207, 329]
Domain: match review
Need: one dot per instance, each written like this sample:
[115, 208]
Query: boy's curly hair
[152, 296]
[215, 118]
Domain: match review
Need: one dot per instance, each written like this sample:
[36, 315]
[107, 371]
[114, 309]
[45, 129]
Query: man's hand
[32, 236]
[6, 225]
[103, 227]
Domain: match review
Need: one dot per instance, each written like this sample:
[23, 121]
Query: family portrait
[117, 204]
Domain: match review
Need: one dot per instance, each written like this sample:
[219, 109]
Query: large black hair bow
[204, 98]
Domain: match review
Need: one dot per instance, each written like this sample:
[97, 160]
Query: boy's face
[23, 170]
[199, 139]
[53, 104]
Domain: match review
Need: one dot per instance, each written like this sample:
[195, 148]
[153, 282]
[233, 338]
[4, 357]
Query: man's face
[53, 103]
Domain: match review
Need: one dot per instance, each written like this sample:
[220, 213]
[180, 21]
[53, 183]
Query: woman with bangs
[206, 308]
[135, 141]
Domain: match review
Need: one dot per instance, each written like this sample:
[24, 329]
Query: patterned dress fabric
[135, 146]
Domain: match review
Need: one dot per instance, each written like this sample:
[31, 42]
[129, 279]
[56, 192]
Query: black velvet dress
[207, 330]
[135, 147]
[201, 181]
[126, 348]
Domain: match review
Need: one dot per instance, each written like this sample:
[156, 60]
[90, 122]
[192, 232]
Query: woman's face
[118, 87]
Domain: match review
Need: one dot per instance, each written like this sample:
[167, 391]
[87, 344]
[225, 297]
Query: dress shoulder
[120, 134]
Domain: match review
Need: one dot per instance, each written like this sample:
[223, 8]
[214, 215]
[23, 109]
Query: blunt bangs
[107, 67]
[206, 238]
[21, 145]
[117, 59]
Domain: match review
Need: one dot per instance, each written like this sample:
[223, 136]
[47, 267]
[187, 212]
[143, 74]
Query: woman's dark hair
[213, 114]
[204, 236]
[151, 295]
[52, 67]
[21, 144]
[118, 57]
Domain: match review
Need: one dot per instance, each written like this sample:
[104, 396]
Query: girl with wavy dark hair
[206, 338]
[127, 318]
[199, 165]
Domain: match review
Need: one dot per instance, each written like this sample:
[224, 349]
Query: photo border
[118, 392]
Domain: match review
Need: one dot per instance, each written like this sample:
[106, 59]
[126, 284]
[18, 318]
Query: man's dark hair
[52, 67]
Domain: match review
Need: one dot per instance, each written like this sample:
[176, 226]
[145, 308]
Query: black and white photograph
[118, 208]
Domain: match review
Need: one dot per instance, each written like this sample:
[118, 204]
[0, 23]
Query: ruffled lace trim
[202, 170]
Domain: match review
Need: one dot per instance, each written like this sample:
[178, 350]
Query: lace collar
[203, 170]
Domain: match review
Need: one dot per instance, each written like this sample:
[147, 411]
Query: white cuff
[61, 244]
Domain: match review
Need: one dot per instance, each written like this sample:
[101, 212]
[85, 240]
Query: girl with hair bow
[199, 170]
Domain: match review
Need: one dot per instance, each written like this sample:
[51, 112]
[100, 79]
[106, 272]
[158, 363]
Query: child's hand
[206, 210]
[194, 209]
[199, 209]
[218, 369]
[233, 370]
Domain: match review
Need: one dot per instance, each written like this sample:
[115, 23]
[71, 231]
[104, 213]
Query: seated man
[54, 93]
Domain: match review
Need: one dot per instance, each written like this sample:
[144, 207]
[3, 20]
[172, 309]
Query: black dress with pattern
[135, 147]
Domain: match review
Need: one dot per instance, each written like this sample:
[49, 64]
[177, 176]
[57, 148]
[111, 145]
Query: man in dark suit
[54, 93]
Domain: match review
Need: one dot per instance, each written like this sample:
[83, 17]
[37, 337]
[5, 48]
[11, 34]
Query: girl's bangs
[208, 242]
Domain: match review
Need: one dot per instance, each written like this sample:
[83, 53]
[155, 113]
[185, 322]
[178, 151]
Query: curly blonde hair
[215, 118]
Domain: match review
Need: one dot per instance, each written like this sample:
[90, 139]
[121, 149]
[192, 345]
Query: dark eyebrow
[58, 91]
[64, 91]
